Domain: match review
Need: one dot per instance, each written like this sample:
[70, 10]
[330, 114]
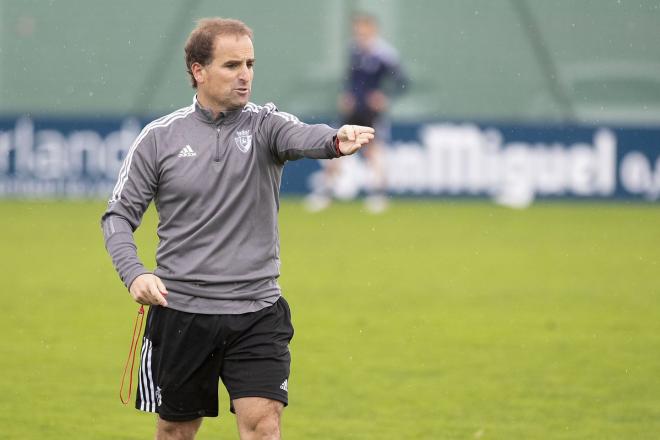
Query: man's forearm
[120, 244]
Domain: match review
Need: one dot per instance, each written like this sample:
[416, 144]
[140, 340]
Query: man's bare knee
[258, 418]
[167, 430]
[267, 427]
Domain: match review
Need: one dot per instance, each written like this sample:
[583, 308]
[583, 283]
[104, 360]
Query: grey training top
[215, 184]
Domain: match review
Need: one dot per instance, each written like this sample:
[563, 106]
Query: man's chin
[240, 102]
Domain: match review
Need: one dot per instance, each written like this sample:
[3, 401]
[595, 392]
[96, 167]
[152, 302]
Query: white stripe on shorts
[145, 382]
[150, 381]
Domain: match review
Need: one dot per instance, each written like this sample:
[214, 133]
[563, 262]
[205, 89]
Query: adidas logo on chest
[187, 151]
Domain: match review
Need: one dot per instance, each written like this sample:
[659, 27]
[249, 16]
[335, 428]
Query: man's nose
[244, 73]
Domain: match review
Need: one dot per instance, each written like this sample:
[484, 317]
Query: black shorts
[185, 354]
[369, 118]
[366, 118]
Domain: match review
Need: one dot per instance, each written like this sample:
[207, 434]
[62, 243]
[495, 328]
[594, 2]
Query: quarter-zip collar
[206, 115]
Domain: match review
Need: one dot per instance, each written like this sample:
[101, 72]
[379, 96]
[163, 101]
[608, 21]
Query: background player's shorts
[185, 354]
[366, 118]
[369, 118]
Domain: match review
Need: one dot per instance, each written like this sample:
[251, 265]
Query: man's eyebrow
[238, 60]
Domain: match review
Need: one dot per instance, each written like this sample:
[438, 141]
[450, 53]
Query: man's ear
[199, 72]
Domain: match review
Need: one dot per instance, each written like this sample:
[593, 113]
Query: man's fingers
[159, 299]
[360, 129]
[353, 131]
[139, 295]
[353, 137]
[161, 286]
[350, 132]
[150, 291]
[139, 298]
[160, 292]
[364, 138]
[155, 295]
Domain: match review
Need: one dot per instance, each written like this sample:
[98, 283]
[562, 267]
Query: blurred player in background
[213, 170]
[374, 76]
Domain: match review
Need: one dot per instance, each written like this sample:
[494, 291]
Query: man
[374, 73]
[213, 170]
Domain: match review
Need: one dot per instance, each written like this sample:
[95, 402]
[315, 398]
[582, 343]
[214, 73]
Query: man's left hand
[353, 137]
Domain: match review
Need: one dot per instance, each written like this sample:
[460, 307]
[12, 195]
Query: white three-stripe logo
[187, 152]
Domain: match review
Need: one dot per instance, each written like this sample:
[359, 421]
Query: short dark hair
[201, 41]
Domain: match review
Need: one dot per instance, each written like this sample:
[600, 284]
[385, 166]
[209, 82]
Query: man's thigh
[249, 407]
[180, 365]
[257, 360]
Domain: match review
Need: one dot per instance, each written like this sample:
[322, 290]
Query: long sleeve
[135, 188]
[291, 139]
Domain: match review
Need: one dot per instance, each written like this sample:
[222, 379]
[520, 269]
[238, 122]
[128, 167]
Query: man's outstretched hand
[148, 289]
[353, 137]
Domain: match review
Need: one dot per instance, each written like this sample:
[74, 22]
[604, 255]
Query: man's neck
[208, 105]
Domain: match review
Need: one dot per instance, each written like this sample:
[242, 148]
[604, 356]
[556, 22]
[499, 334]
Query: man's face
[364, 33]
[226, 82]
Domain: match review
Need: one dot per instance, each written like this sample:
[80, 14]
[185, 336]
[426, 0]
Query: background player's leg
[258, 418]
[376, 200]
[166, 430]
[322, 194]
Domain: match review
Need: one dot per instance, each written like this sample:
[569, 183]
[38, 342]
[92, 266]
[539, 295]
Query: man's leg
[177, 430]
[376, 201]
[323, 187]
[258, 418]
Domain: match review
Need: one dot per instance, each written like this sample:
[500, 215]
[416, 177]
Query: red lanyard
[131, 356]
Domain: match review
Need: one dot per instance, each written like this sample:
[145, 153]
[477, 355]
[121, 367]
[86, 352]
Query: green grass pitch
[436, 320]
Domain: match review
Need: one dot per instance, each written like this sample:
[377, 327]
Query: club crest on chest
[243, 140]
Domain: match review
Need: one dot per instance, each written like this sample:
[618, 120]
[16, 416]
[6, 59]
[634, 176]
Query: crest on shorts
[243, 140]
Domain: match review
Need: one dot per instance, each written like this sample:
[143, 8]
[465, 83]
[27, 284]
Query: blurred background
[448, 316]
[573, 86]
[586, 61]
